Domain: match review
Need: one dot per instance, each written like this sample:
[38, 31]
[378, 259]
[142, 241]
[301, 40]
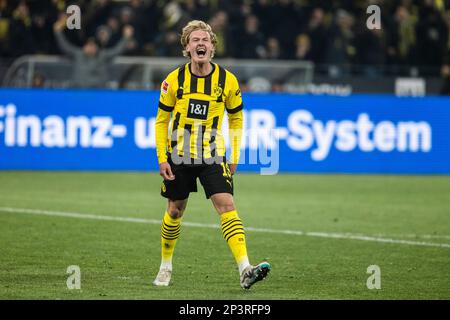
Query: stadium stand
[413, 41]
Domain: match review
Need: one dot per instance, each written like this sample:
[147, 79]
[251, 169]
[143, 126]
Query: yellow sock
[170, 231]
[233, 233]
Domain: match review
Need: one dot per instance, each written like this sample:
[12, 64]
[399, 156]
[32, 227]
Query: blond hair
[192, 26]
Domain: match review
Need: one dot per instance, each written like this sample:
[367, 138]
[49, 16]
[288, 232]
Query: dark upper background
[414, 34]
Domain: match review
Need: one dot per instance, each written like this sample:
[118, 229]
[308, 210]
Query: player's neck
[201, 69]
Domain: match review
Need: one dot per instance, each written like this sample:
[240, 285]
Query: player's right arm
[166, 105]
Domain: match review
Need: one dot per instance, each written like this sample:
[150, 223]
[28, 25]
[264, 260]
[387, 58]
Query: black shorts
[215, 178]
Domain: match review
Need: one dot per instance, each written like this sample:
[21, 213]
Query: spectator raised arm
[128, 32]
[63, 44]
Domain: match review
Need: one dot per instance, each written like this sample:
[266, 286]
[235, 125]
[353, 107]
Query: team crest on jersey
[165, 86]
[217, 91]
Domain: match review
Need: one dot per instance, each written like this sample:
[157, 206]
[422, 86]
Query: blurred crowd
[333, 34]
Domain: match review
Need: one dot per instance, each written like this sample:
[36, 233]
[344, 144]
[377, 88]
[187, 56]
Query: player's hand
[233, 168]
[165, 171]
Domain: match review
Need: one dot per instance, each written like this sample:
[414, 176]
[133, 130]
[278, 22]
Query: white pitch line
[423, 236]
[345, 236]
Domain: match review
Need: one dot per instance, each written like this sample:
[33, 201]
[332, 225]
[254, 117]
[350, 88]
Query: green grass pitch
[346, 220]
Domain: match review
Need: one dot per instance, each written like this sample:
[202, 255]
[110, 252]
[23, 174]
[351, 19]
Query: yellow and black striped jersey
[194, 106]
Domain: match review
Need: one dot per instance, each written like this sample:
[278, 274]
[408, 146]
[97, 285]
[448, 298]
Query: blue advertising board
[114, 130]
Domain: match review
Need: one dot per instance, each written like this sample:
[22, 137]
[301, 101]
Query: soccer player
[193, 100]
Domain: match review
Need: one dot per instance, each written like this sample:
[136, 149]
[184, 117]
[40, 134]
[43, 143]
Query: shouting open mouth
[201, 52]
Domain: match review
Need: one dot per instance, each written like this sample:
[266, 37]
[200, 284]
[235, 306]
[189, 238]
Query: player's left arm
[234, 108]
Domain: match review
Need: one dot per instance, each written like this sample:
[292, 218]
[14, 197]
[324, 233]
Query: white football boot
[253, 274]
[163, 277]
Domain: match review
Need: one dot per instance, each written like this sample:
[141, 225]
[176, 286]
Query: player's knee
[223, 202]
[175, 213]
[176, 210]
